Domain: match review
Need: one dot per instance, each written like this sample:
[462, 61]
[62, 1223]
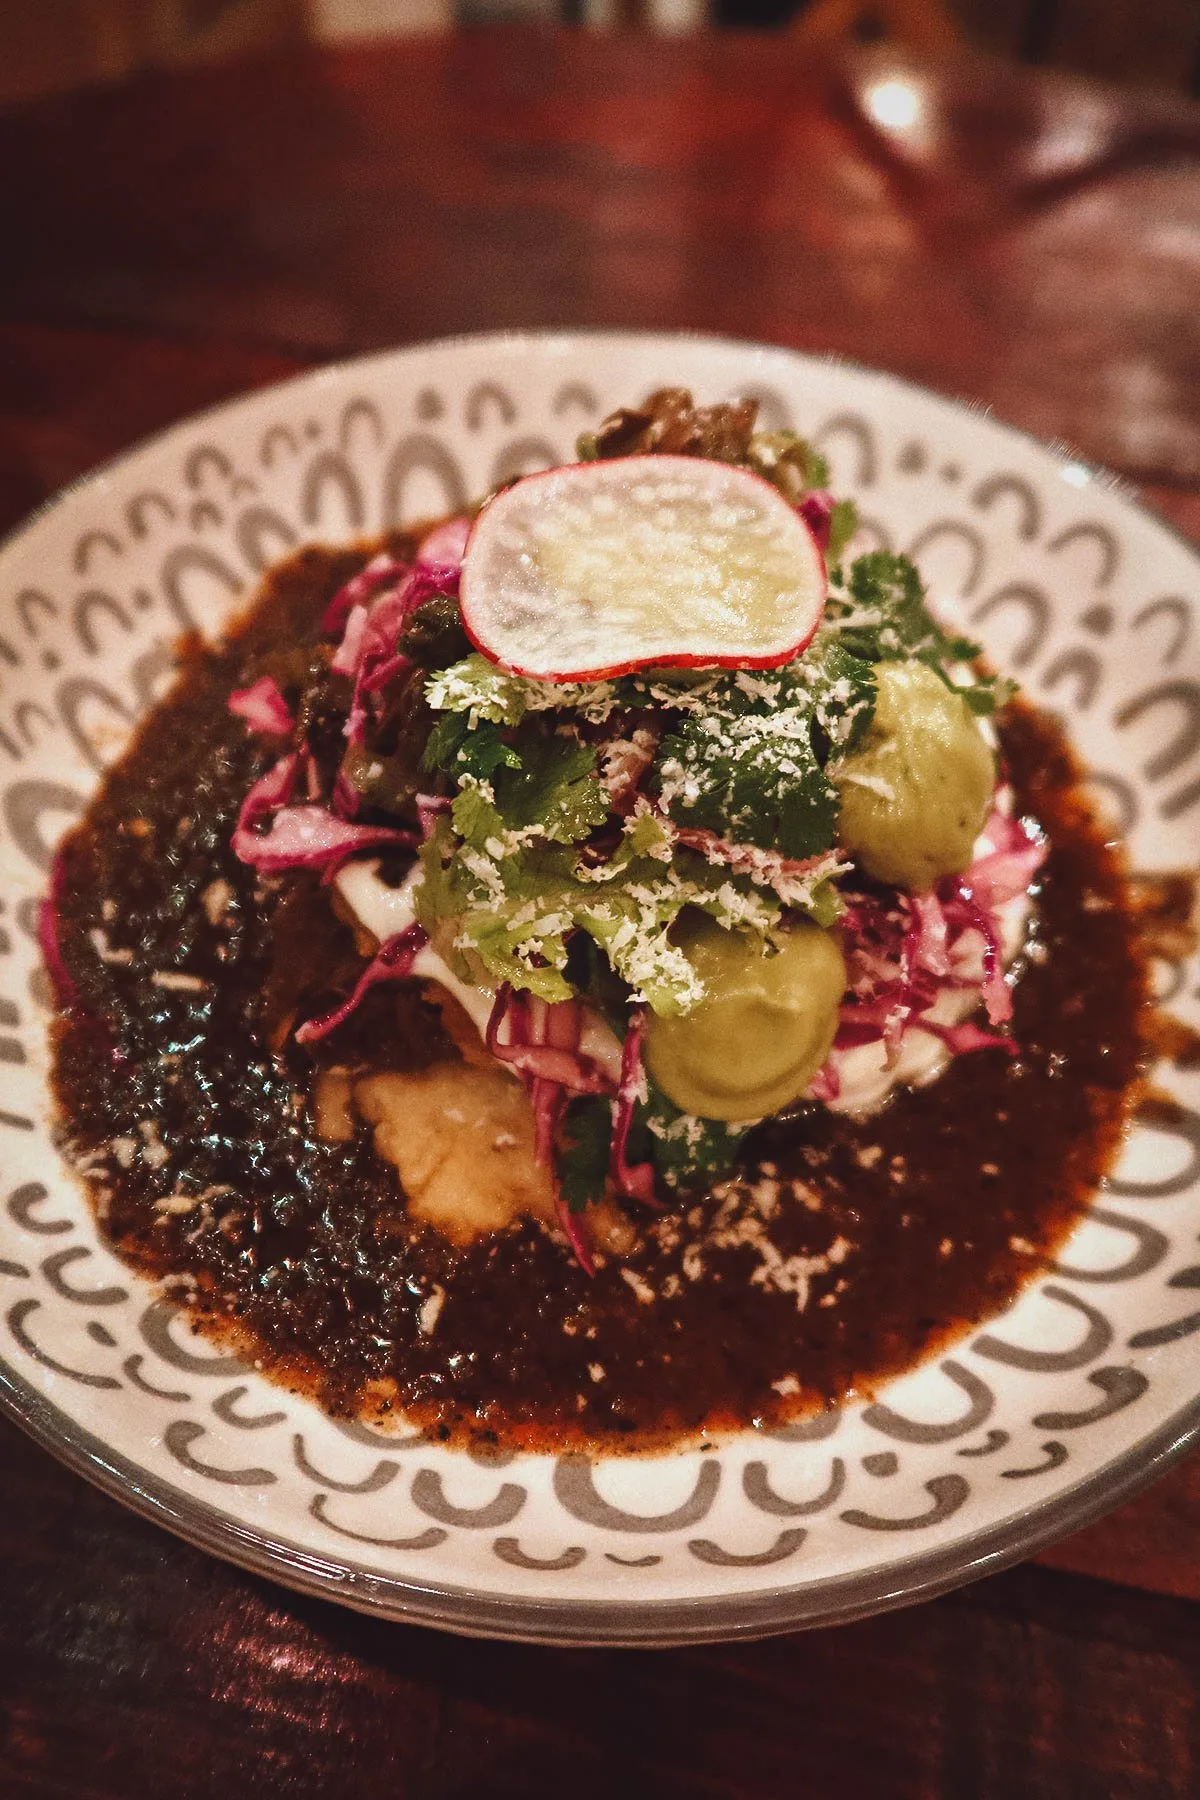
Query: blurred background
[52, 45]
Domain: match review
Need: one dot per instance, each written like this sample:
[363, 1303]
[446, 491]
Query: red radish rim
[679, 660]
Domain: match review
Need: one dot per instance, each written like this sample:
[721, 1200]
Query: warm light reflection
[895, 104]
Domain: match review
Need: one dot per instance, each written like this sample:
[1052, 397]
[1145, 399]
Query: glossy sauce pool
[198, 1146]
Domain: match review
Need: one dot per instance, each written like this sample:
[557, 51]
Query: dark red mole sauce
[198, 1143]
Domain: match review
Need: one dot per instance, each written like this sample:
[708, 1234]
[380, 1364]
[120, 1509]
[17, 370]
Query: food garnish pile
[685, 818]
[605, 969]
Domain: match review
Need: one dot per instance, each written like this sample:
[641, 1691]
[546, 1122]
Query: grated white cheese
[176, 981]
[216, 900]
[431, 1309]
[100, 944]
[642, 1289]
[154, 1151]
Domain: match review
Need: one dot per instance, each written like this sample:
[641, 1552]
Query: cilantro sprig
[546, 788]
[687, 1153]
[752, 766]
[879, 613]
[584, 1149]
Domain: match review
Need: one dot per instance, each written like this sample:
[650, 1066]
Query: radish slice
[672, 561]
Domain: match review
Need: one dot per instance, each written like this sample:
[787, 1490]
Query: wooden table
[1031, 243]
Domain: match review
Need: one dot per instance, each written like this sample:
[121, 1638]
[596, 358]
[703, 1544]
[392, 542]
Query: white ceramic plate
[1034, 1424]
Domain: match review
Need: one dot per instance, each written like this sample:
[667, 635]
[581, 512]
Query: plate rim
[584, 1622]
[1120, 487]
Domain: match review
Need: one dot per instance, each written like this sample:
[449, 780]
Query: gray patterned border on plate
[1031, 1425]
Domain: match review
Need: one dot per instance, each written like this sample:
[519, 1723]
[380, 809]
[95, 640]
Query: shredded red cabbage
[348, 654]
[383, 672]
[61, 979]
[967, 1036]
[300, 837]
[263, 707]
[345, 797]
[1018, 851]
[391, 610]
[270, 791]
[931, 943]
[960, 910]
[560, 1027]
[368, 651]
[311, 837]
[826, 1084]
[358, 590]
[634, 1180]
[540, 1041]
[904, 952]
[577, 1237]
[445, 545]
[391, 962]
[816, 509]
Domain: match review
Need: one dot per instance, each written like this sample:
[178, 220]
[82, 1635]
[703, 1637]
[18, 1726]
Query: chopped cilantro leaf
[459, 748]
[687, 1152]
[747, 766]
[843, 696]
[554, 786]
[479, 689]
[987, 694]
[540, 787]
[879, 614]
[825, 905]
[583, 1154]
[474, 813]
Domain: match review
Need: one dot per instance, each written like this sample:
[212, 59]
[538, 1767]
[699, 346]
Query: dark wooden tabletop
[1032, 243]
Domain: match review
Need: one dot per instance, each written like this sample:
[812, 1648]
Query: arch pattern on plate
[177, 553]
